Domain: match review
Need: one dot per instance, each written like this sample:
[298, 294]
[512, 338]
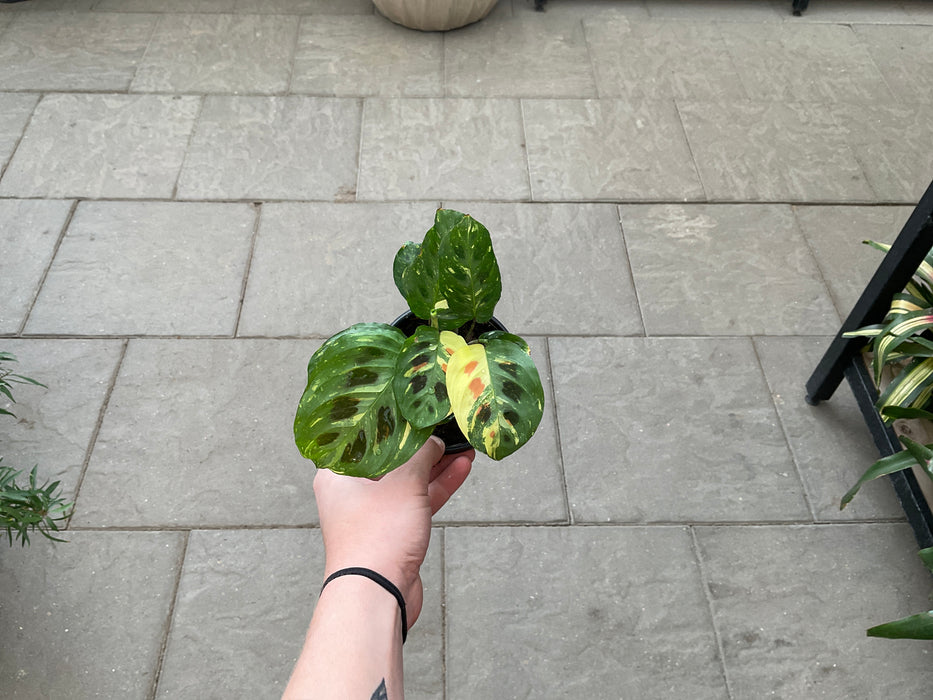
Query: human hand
[385, 524]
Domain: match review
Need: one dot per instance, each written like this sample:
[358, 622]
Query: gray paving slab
[15, 110]
[198, 433]
[556, 259]
[577, 612]
[367, 55]
[213, 53]
[164, 6]
[442, 148]
[718, 10]
[306, 7]
[509, 57]
[849, 11]
[772, 152]
[54, 426]
[904, 56]
[244, 602]
[87, 618]
[638, 59]
[835, 235]
[147, 268]
[671, 430]
[791, 605]
[29, 232]
[707, 269]
[890, 143]
[830, 442]
[608, 150]
[50, 6]
[318, 268]
[102, 145]
[274, 148]
[76, 51]
[804, 63]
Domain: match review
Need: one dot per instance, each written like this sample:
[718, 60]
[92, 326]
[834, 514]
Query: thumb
[425, 458]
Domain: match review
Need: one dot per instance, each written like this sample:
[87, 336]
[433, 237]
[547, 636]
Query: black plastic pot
[448, 431]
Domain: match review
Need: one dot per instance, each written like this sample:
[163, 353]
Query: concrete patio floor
[677, 192]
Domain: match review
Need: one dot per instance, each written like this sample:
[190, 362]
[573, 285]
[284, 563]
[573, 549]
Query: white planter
[434, 15]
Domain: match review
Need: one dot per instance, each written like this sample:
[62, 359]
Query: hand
[385, 524]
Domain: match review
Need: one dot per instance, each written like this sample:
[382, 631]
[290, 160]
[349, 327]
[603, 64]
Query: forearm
[354, 642]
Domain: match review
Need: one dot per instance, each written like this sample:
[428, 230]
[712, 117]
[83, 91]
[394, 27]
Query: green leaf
[926, 556]
[348, 419]
[403, 260]
[469, 278]
[896, 412]
[901, 329]
[418, 281]
[420, 384]
[918, 626]
[505, 335]
[496, 395]
[884, 466]
[911, 388]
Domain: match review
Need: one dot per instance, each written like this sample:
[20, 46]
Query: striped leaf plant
[374, 394]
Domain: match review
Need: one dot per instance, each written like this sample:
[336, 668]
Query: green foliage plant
[28, 507]
[374, 396]
[903, 345]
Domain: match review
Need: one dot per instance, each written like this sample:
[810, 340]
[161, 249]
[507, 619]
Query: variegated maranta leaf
[421, 373]
[496, 395]
[469, 277]
[348, 419]
[416, 275]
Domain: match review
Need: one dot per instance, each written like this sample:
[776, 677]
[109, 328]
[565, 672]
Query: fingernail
[438, 441]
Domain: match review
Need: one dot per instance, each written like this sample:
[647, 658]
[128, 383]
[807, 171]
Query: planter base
[434, 15]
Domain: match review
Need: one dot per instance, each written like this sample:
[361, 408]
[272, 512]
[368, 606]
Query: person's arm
[353, 648]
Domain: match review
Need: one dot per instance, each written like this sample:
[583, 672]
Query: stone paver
[699, 442]
[15, 110]
[82, 51]
[211, 53]
[147, 268]
[511, 58]
[102, 145]
[835, 235]
[88, 617]
[725, 270]
[217, 449]
[275, 148]
[195, 194]
[360, 55]
[625, 604]
[772, 152]
[29, 232]
[432, 149]
[791, 605]
[54, 426]
[608, 150]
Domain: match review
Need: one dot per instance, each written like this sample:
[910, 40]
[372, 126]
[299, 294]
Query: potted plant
[434, 15]
[377, 391]
[901, 355]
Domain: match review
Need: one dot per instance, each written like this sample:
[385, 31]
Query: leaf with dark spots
[418, 382]
[511, 416]
[343, 407]
[385, 424]
[354, 453]
[421, 360]
[512, 390]
[361, 376]
[420, 368]
[326, 438]
[440, 392]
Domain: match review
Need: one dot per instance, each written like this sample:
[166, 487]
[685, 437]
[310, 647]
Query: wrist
[375, 590]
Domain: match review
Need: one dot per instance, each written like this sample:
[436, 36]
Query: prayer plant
[375, 394]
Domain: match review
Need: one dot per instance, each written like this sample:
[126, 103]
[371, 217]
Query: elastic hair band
[382, 581]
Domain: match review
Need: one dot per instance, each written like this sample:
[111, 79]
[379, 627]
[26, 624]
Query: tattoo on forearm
[380, 693]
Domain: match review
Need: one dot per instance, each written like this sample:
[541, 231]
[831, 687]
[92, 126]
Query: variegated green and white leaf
[403, 260]
[496, 395]
[416, 275]
[911, 388]
[420, 375]
[897, 332]
[469, 277]
[348, 419]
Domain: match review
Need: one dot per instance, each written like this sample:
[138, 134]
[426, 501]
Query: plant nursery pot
[434, 15]
[448, 431]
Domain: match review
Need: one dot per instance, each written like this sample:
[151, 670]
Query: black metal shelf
[843, 360]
